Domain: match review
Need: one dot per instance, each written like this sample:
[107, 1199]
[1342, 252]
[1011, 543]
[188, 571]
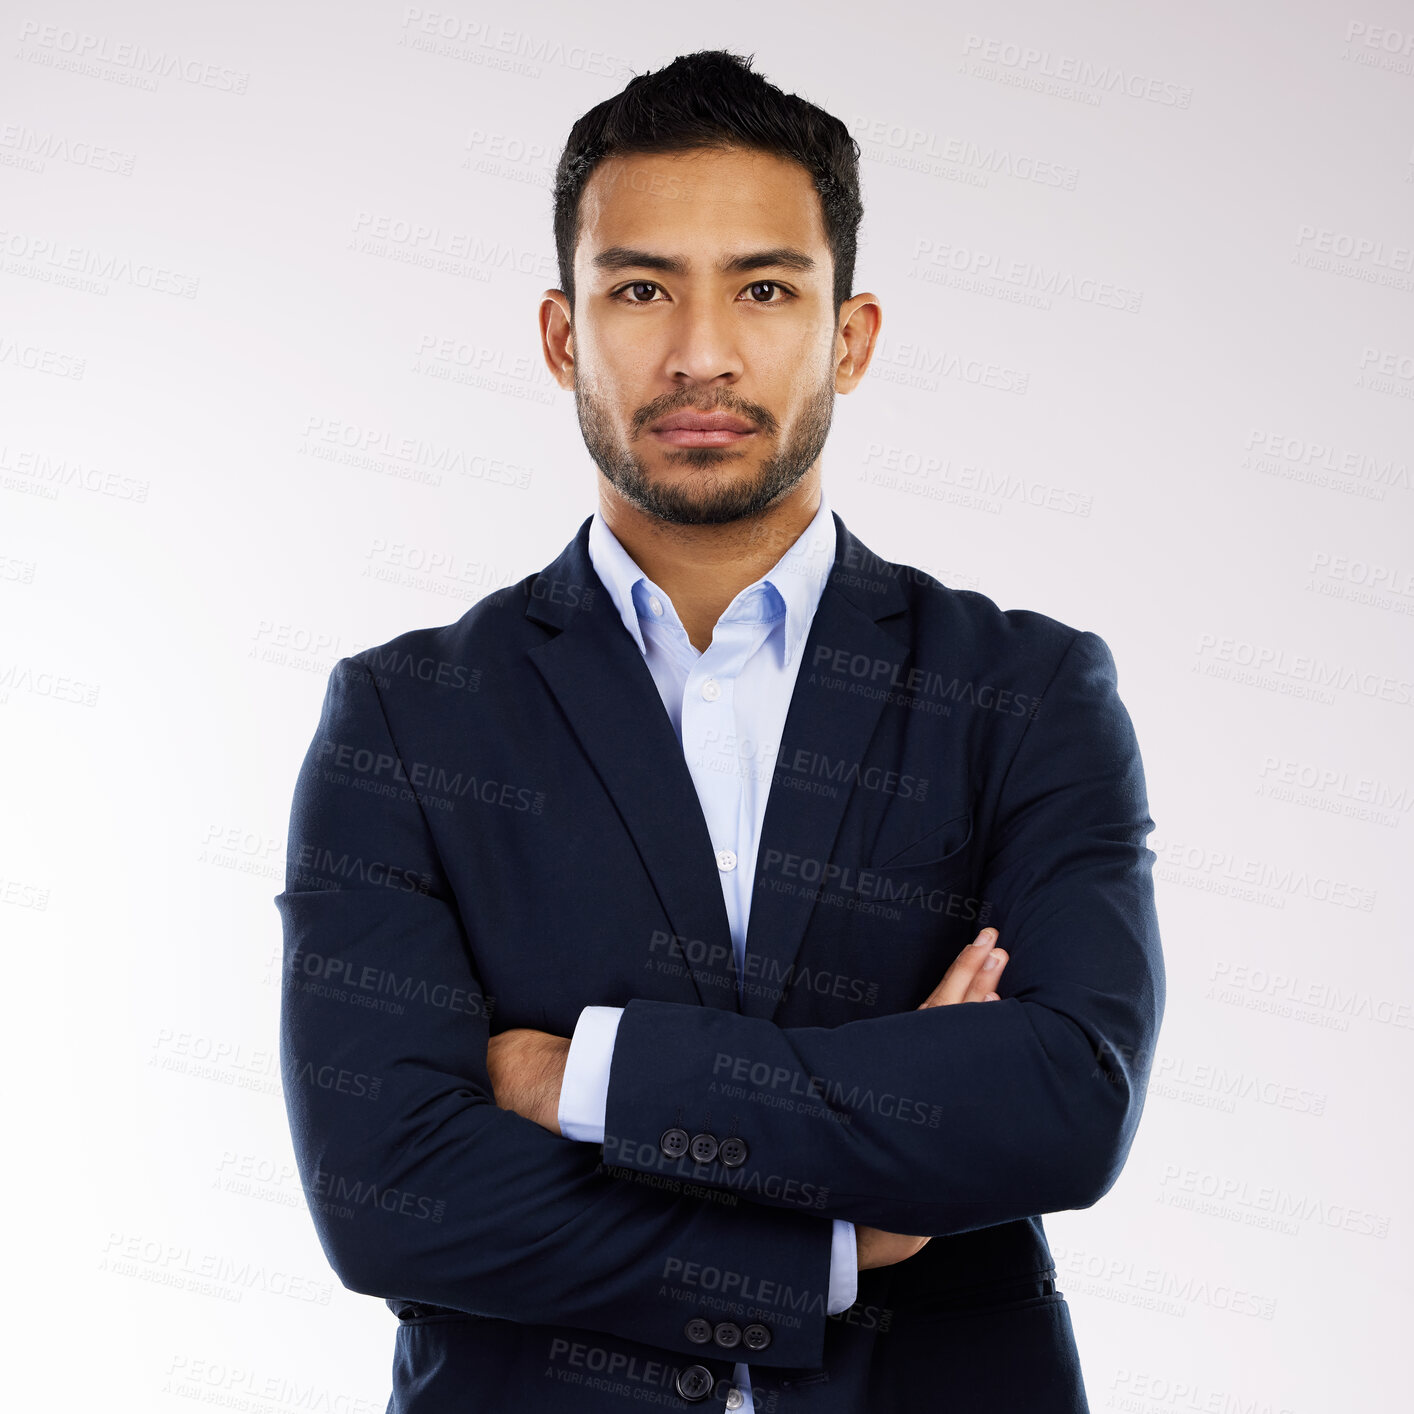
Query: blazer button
[698, 1330]
[704, 1148]
[733, 1152]
[673, 1143]
[694, 1383]
[728, 1334]
[756, 1337]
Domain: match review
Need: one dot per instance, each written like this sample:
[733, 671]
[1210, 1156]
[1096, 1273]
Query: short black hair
[713, 99]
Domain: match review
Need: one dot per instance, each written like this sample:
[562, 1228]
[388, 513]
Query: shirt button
[735, 1398]
[656, 604]
[726, 860]
[711, 690]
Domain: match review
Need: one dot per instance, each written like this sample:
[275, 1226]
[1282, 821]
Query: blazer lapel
[833, 712]
[599, 677]
[604, 686]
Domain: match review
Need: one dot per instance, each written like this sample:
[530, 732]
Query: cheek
[617, 381]
[789, 356]
[796, 380]
[596, 378]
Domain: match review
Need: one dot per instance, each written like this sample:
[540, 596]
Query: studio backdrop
[271, 392]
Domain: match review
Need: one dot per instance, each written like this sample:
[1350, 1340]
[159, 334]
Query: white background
[212, 370]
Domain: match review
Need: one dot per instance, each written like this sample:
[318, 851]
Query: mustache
[663, 407]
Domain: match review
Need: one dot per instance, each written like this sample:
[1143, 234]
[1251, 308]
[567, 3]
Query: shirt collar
[794, 582]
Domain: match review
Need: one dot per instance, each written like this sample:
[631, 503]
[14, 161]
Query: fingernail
[991, 962]
[985, 938]
[991, 997]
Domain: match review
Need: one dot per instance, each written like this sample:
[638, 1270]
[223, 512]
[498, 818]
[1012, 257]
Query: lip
[702, 429]
[700, 436]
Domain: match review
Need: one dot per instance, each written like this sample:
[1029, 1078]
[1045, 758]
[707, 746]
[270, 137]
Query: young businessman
[613, 1040]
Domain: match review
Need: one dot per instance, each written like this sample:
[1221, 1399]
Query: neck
[702, 568]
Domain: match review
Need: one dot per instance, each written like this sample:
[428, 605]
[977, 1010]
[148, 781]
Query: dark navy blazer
[494, 827]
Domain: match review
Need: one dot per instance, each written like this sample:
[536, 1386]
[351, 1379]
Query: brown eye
[768, 285]
[640, 286]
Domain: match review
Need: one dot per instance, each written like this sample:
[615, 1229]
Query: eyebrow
[622, 257]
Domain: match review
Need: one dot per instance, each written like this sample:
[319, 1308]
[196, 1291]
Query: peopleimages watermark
[860, 666]
[429, 783]
[688, 1178]
[759, 975]
[764, 1078]
[839, 771]
[335, 1078]
[337, 1195]
[874, 884]
[342, 974]
[767, 1295]
[388, 659]
[317, 867]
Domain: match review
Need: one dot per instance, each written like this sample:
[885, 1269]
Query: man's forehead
[701, 209]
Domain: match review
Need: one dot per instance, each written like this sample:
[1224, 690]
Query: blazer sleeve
[420, 1187]
[957, 1117]
[584, 1091]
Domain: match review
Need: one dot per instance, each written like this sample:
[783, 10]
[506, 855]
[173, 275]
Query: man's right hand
[972, 977]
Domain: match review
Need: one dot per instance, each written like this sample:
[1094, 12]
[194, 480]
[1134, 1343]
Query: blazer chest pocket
[897, 915]
[944, 844]
[920, 897]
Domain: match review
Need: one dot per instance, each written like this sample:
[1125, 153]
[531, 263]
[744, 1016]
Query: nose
[703, 348]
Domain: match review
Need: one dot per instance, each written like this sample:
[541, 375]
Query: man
[614, 1043]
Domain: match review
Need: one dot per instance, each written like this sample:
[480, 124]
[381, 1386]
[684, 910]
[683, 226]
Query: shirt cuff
[844, 1268]
[584, 1090]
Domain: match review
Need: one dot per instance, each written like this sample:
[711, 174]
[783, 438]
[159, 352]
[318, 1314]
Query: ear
[861, 318]
[557, 338]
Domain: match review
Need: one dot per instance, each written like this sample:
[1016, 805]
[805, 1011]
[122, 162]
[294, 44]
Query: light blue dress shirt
[728, 707]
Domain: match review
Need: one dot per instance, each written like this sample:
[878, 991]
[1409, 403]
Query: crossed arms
[1037, 1095]
[527, 1069]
